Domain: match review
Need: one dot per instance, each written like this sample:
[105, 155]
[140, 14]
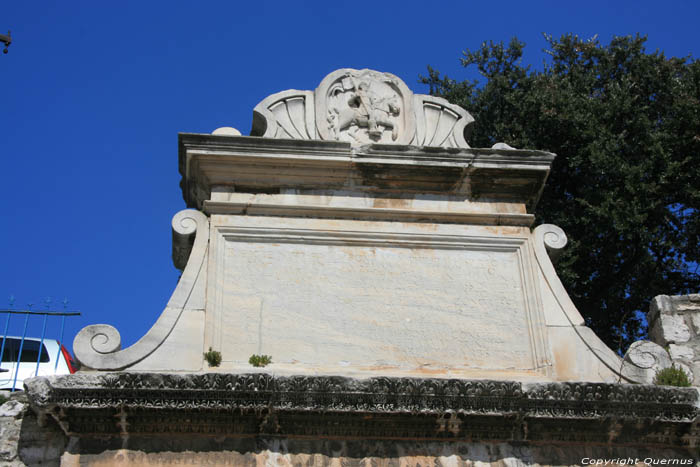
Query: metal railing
[27, 313]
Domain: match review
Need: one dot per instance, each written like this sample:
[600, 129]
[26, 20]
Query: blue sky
[93, 94]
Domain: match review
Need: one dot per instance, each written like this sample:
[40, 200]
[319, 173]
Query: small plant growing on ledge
[260, 360]
[213, 357]
[672, 376]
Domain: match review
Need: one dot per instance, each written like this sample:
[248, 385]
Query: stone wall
[674, 323]
[283, 452]
[11, 415]
[23, 441]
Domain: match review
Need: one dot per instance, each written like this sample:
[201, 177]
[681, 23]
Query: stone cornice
[217, 404]
[261, 208]
[261, 165]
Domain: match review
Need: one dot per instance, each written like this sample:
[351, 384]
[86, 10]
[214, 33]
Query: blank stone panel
[374, 306]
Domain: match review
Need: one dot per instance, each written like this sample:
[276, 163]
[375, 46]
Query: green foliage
[213, 357]
[626, 127]
[672, 376]
[260, 360]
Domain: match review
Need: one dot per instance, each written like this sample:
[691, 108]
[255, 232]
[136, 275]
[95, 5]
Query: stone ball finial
[226, 131]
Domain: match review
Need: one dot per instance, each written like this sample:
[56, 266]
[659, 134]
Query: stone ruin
[412, 313]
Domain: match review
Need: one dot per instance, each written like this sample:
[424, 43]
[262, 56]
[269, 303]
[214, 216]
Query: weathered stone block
[695, 320]
[675, 320]
[670, 328]
[11, 408]
[681, 352]
[41, 443]
[25, 441]
[11, 413]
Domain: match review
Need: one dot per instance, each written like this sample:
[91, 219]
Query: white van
[51, 352]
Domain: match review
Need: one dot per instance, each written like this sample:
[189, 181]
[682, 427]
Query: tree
[625, 186]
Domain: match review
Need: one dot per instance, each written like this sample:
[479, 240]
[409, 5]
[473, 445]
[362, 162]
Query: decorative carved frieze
[218, 404]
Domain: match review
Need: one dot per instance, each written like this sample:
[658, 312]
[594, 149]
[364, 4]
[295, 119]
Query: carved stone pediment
[362, 107]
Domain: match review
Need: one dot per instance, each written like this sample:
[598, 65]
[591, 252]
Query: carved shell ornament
[362, 107]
